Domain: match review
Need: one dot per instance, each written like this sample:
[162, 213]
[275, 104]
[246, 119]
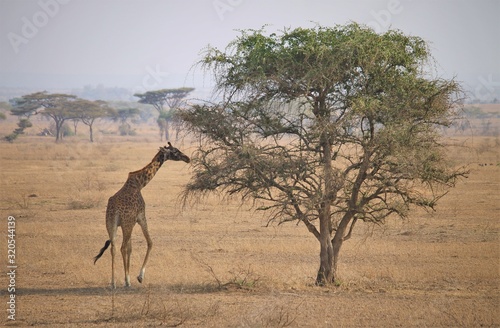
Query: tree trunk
[337, 242]
[91, 133]
[326, 255]
[162, 130]
[167, 133]
[329, 258]
[325, 272]
[59, 132]
[336, 245]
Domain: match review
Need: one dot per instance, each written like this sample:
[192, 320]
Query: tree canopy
[326, 126]
[123, 115]
[56, 106]
[172, 98]
[159, 98]
[60, 108]
[88, 111]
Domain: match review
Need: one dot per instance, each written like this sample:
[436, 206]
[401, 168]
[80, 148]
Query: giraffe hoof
[139, 278]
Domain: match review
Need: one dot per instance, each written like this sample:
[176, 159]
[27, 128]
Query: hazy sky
[152, 44]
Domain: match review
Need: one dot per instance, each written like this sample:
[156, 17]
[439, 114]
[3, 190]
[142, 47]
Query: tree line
[61, 108]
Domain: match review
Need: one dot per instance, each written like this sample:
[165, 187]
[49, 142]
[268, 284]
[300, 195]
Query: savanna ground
[215, 264]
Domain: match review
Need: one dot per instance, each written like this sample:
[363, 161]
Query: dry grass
[215, 265]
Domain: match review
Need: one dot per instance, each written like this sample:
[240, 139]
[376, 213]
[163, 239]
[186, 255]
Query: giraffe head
[173, 154]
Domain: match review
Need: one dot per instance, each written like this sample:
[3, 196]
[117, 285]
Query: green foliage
[124, 114]
[11, 137]
[159, 98]
[126, 130]
[23, 124]
[66, 130]
[166, 115]
[314, 59]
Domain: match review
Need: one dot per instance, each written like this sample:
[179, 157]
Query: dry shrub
[240, 278]
[87, 192]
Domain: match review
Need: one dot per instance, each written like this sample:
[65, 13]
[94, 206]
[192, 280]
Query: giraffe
[127, 207]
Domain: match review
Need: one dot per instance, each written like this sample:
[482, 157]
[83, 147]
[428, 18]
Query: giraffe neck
[140, 178]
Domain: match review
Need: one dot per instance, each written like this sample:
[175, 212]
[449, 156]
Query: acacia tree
[122, 115]
[172, 98]
[55, 106]
[88, 112]
[326, 126]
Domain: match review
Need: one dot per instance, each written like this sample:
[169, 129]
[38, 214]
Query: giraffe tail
[106, 245]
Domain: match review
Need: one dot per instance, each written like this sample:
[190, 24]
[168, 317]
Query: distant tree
[23, 124]
[171, 98]
[24, 111]
[163, 122]
[60, 111]
[326, 127]
[26, 106]
[55, 106]
[75, 125]
[88, 112]
[122, 115]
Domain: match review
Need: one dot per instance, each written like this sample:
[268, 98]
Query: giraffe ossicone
[127, 207]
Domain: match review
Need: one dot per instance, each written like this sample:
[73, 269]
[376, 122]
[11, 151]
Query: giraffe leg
[129, 253]
[126, 249]
[112, 227]
[144, 227]
[113, 250]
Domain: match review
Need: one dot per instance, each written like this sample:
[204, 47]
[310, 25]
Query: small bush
[87, 192]
[126, 130]
[11, 137]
